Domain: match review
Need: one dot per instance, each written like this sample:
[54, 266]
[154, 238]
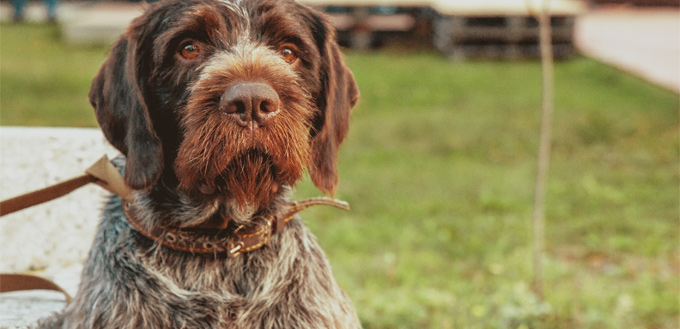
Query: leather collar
[234, 242]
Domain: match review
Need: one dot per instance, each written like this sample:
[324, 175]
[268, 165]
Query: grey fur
[129, 283]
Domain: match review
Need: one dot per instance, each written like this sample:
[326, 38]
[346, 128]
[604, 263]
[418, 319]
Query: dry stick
[544, 147]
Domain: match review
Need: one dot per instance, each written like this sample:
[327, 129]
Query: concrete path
[53, 239]
[644, 42]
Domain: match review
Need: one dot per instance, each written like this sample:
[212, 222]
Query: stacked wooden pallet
[501, 29]
[459, 28]
[500, 36]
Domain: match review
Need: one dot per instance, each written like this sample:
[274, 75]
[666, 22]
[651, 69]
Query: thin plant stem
[543, 148]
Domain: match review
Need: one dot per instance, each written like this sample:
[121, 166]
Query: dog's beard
[250, 179]
[219, 157]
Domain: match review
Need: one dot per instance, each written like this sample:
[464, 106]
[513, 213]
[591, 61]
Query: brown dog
[218, 107]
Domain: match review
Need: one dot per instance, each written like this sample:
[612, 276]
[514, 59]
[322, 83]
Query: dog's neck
[166, 204]
[216, 232]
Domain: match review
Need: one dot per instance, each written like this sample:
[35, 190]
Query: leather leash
[102, 173]
[243, 239]
[22, 282]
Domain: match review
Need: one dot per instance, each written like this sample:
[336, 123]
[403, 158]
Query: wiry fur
[131, 283]
[190, 164]
[201, 159]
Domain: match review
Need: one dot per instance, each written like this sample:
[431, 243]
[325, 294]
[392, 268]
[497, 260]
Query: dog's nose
[248, 102]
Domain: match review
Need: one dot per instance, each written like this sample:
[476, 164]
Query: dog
[218, 106]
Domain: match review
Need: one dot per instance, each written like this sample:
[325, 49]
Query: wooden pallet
[507, 37]
[459, 28]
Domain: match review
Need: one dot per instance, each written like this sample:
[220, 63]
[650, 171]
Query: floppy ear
[118, 101]
[339, 94]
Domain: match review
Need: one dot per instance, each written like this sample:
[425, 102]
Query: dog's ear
[118, 100]
[339, 94]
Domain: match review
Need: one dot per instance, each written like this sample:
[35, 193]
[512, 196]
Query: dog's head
[226, 97]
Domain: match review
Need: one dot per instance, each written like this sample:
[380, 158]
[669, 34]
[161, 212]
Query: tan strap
[103, 173]
[22, 282]
[109, 178]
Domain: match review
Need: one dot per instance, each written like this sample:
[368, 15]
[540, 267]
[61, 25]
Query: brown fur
[192, 161]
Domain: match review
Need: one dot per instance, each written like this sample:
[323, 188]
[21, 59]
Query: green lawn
[44, 82]
[439, 169]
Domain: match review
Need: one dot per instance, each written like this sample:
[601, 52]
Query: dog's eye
[190, 51]
[288, 54]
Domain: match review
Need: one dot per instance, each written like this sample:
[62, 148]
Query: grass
[44, 82]
[439, 169]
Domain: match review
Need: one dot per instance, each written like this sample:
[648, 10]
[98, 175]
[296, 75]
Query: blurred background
[440, 162]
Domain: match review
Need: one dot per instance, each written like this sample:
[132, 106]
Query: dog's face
[226, 97]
